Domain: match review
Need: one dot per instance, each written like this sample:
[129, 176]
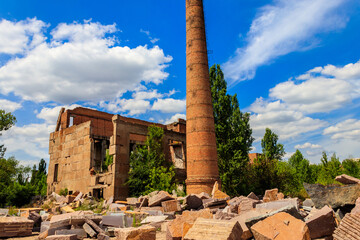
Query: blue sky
[294, 65]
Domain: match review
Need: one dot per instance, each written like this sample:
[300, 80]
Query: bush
[149, 170]
[64, 192]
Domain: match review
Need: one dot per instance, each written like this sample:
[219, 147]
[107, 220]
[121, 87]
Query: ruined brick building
[83, 137]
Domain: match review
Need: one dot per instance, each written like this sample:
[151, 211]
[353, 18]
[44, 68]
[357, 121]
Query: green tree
[233, 135]
[351, 167]
[7, 120]
[302, 168]
[270, 146]
[329, 169]
[149, 169]
[38, 178]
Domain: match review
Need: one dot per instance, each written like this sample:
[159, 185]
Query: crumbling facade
[202, 170]
[82, 140]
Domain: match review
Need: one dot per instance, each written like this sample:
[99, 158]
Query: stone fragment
[4, 212]
[114, 207]
[241, 219]
[321, 223]
[70, 199]
[253, 196]
[308, 203]
[78, 197]
[171, 206]
[62, 237]
[193, 201]
[246, 204]
[141, 233]
[109, 201]
[132, 201]
[175, 228]
[114, 221]
[35, 217]
[289, 209]
[211, 229]
[346, 179]
[271, 194]
[15, 226]
[144, 202]
[279, 204]
[220, 195]
[88, 229]
[80, 220]
[215, 188]
[43, 235]
[334, 196]
[280, 196]
[44, 226]
[356, 209]
[349, 228]
[154, 219]
[67, 209]
[214, 203]
[281, 226]
[203, 195]
[94, 226]
[153, 211]
[80, 233]
[158, 198]
[224, 215]
[102, 236]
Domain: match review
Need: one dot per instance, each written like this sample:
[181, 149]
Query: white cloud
[147, 94]
[169, 105]
[50, 115]
[18, 37]
[308, 145]
[9, 106]
[175, 118]
[281, 28]
[348, 129]
[315, 94]
[32, 139]
[152, 40]
[81, 63]
[321, 89]
[128, 106]
[284, 121]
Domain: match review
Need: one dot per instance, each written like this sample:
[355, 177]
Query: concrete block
[144, 233]
[88, 229]
[321, 223]
[171, 206]
[193, 201]
[62, 237]
[275, 205]
[211, 229]
[158, 198]
[114, 221]
[154, 219]
[80, 233]
[271, 194]
[281, 226]
[176, 228]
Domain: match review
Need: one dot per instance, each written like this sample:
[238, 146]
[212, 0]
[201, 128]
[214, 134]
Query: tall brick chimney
[202, 164]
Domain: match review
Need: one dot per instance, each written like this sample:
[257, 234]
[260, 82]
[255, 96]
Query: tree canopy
[233, 135]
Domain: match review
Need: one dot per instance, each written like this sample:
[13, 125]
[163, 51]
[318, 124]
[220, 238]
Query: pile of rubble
[333, 212]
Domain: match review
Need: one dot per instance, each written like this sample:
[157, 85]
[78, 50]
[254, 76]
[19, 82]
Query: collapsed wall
[84, 138]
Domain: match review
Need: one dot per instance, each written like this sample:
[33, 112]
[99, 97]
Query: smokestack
[201, 153]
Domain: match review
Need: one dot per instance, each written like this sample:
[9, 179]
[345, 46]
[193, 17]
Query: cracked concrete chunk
[211, 229]
[281, 226]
